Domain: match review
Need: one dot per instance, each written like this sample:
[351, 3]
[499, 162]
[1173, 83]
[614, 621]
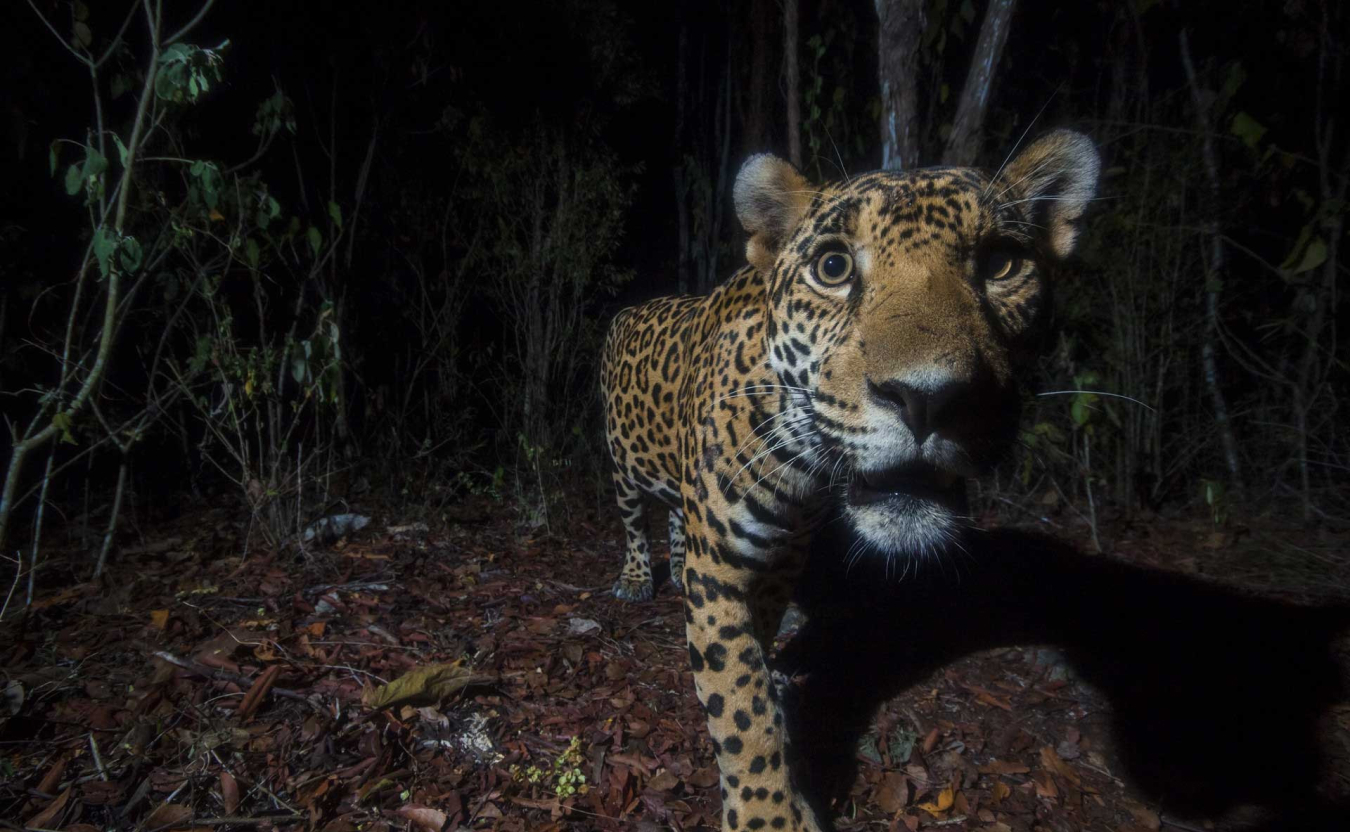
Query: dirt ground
[201, 688]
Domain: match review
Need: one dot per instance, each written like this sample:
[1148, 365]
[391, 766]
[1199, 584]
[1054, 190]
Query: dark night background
[370, 251]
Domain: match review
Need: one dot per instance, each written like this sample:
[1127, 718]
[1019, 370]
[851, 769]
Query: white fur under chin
[905, 526]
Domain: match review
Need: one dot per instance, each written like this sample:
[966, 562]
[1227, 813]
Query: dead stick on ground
[226, 676]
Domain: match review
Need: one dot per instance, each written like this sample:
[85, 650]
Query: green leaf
[335, 213]
[968, 11]
[1248, 129]
[1080, 412]
[315, 240]
[202, 355]
[1314, 255]
[1233, 82]
[120, 84]
[74, 179]
[299, 365]
[131, 254]
[121, 150]
[105, 244]
[95, 163]
[61, 421]
[251, 253]
[53, 151]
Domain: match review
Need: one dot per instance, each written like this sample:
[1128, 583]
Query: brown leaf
[159, 618]
[168, 814]
[1045, 785]
[45, 817]
[424, 816]
[703, 778]
[892, 795]
[101, 792]
[1144, 817]
[1000, 791]
[1053, 762]
[229, 792]
[249, 706]
[1004, 767]
[52, 778]
[664, 781]
[989, 698]
[930, 741]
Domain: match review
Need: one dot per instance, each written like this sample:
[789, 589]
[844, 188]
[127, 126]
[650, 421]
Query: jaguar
[863, 363]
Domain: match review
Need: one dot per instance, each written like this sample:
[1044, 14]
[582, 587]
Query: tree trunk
[963, 146]
[759, 114]
[791, 16]
[678, 172]
[1213, 277]
[901, 26]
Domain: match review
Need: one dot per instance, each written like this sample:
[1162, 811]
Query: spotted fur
[864, 359]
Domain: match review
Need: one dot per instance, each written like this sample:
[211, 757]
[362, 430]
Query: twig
[380, 586]
[98, 758]
[255, 821]
[1166, 821]
[226, 676]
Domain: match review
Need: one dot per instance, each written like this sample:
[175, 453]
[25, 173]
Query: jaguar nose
[923, 411]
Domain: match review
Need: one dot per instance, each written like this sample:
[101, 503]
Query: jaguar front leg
[729, 634]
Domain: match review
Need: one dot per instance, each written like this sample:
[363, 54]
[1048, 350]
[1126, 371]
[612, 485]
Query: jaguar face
[899, 302]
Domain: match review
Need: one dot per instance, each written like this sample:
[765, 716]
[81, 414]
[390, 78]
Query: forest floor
[199, 688]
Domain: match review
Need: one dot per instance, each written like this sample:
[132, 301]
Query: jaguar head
[900, 303]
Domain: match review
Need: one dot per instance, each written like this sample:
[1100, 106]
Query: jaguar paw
[630, 590]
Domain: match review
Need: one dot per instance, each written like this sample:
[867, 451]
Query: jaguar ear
[1054, 179]
[770, 197]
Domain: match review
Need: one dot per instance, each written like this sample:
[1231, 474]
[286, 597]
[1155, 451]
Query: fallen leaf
[704, 778]
[426, 685]
[944, 801]
[582, 626]
[52, 778]
[1053, 762]
[1001, 791]
[159, 618]
[229, 792]
[930, 741]
[989, 697]
[1045, 785]
[1144, 817]
[44, 818]
[249, 706]
[663, 781]
[1004, 767]
[892, 794]
[424, 816]
[168, 814]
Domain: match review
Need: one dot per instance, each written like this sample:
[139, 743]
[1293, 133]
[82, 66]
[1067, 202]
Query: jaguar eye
[999, 265]
[834, 267]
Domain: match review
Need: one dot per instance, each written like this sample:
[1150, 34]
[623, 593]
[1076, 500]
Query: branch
[81, 58]
[191, 24]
